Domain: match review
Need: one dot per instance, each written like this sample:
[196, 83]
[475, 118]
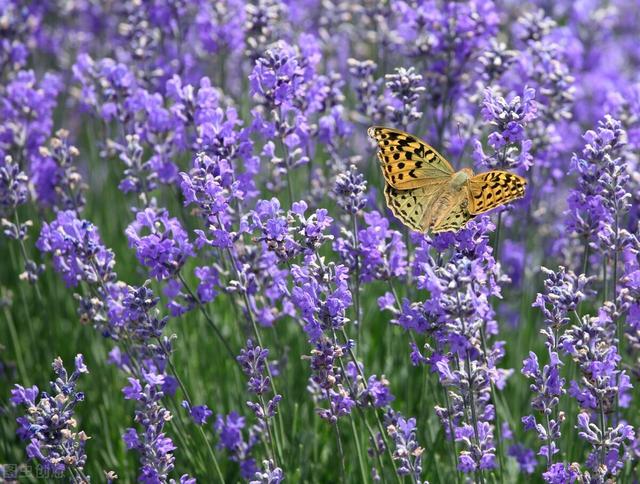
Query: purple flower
[199, 413]
[509, 119]
[525, 458]
[562, 474]
[153, 445]
[322, 304]
[209, 283]
[49, 424]
[78, 252]
[270, 475]
[377, 392]
[229, 429]
[349, 190]
[13, 186]
[165, 248]
[406, 89]
[588, 210]
[407, 452]
[253, 361]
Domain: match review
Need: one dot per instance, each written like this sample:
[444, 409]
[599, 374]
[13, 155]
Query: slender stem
[451, 433]
[494, 396]
[270, 447]
[472, 400]
[16, 345]
[208, 319]
[190, 401]
[605, 263]
[603, 429]
[356, 436]
[343, 472]
[378, 421]
[357, 275]
[549, 442]
[361, 412]
[585, 260]
[496, 244]
[23, 251]
[285, 154]
[472, 405]
[256, 333]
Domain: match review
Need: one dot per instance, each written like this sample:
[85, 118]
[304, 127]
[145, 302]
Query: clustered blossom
[322, 295]
[564, 291]
[26, 106]
[296, 103]
[271, 474]
[13, 186]
[49, 424]
[369, 91]
[350, 190]
[587, 212]
[508, 118]
[129, 316]
[14, 191]
[78, 252]
[230, 431]
[382, 251]
[253, 361]
[59, 182]
[548, 387]
[154, 445]
[165, 248]
[407, 451]
[405, 89]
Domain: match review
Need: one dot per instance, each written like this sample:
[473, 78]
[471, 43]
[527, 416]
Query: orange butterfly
[425, 193]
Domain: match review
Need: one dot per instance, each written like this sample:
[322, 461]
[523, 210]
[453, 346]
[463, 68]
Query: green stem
[472, 405]
[343, 472]
[585, 261]
[452, 434]
[274, 454]
[361, 412]
[496, 244]
[357, 276]
[207, 318]
[603, 429]
[494, 396]
[190, 401]
[22, 369]
[378, 421]
[605, 263]
[256, 333]
[356, 436]
[23, 252]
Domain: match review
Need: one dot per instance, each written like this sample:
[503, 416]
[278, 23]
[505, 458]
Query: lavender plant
[268, 320]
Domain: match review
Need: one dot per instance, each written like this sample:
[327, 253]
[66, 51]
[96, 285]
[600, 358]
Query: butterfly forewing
[408, 162]
[494, 188]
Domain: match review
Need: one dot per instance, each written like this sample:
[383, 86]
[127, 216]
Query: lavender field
[201, 280]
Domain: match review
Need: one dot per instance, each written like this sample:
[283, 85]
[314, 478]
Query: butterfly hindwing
[494, 188]
[413, 207]
[456, 216]
[408, 162]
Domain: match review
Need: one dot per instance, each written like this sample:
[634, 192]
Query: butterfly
[426, 194]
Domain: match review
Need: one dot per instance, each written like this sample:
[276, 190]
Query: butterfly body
[460, 179]
[426, 194]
